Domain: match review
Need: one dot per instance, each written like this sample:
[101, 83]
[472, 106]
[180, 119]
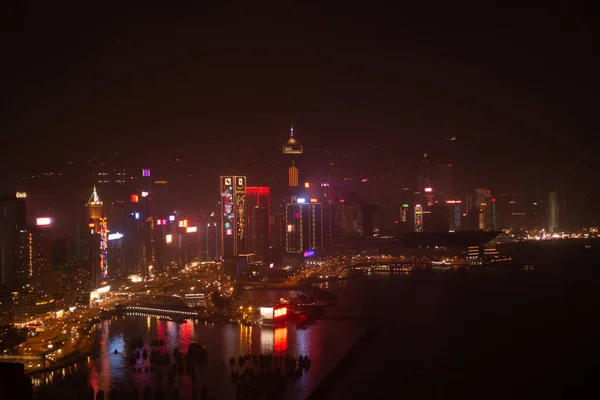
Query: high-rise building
[258, 205]
[233, 215]
[483, 201]
[293, 151]
[418, 218]
[304, 226]
[98, 226]
[12, 220]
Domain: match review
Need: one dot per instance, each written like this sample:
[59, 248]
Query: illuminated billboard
[145, 194]
[21, 195]
[168, 238]
[266, 312]
[146, 172]
[428, 190]
[309, 253]
[43, 221]
[191, 229]
[279, 312]
[115, 236]
[135, 198]
[270, 313]
[183, 223]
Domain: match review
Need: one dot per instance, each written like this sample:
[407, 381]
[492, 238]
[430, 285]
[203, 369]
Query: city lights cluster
[160, 310]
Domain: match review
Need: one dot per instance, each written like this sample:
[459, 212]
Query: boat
[529, 267]
[116, 351]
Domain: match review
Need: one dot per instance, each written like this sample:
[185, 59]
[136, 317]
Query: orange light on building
[91, 225]
[183, 223]
[313, 200]
[306, 184]
[135, 198]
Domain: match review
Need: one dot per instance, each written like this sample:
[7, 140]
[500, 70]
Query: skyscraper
[12, 219]
[258, 203]
[293, 151]
[233, 215]
[304, 226]
[98, 229]
[483, 201]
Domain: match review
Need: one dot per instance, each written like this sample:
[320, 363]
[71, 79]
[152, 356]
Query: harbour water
[499, 332]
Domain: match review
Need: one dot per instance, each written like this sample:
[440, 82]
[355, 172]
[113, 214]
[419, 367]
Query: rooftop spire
[94, 198]
[291, 130]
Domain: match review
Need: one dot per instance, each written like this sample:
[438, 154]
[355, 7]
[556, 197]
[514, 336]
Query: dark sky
[516, 86]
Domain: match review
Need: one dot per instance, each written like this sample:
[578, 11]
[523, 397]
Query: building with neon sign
[418, 218]
[233, 215]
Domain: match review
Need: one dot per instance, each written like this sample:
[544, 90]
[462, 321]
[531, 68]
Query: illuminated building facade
[258, 237]
[483, 201]
[99, 227]
[418, 218]
[293, 151]
[233, 215]
[304, 227]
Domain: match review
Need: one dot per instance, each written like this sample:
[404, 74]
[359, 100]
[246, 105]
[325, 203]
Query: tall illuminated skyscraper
[98, 226]
[233, 215]
[483, 200]
[293, 151]
[304, 226]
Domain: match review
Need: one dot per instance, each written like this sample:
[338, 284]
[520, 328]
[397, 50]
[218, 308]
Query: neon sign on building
[233, 214]
[418, 218]
[103, 231]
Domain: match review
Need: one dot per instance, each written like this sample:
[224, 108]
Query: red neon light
[261, 193]
[135, 198]
[279, 312]
[450, 165]
[493, 200]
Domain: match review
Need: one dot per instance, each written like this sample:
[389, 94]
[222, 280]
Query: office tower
[483, 201]
[258, 206]
[233, 215]
[293, 151]
[12, 220]
[99, 230]
[552, 212]
[454, 214]
[304, 226]
[418, 218]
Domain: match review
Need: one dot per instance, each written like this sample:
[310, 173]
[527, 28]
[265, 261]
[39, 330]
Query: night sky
[517, 87]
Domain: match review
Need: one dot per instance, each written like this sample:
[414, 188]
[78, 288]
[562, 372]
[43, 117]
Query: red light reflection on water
[280, 344]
